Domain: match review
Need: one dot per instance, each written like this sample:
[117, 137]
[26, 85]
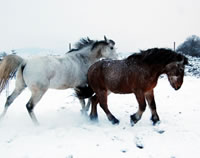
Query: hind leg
[88, 104]
[93, 114]
[35, 98]
[19, 87]
[85, 107]
[102, 96]
[82, 102]
[152, 105]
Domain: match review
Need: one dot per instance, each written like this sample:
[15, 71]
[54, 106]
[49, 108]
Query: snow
[65, 133]
[193, 69]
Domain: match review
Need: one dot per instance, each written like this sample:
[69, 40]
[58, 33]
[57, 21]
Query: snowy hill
[193, 69]
[31, 52]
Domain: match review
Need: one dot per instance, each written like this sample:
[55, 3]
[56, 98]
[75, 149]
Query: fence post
[174, 46]
[70, 47]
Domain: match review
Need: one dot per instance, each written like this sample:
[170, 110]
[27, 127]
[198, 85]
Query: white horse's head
[105, 49]
[110, 51]
[92, 50]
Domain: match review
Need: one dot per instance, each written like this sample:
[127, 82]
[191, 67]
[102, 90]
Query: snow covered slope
[65, 133]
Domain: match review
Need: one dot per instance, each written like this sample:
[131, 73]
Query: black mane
[158, 56]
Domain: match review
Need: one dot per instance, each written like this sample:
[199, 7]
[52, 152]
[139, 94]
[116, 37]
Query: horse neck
[156, 70]
[86, 55]
[91, 55]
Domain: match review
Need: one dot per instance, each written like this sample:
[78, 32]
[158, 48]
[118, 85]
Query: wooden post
[70, 47]
[174, 46]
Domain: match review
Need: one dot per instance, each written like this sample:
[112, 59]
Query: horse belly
[67, 80]
[120, 89]
[58, 84]
[119, 85]
[61, 82]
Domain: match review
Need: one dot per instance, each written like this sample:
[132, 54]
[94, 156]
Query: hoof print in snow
[123, 151]
[140, 146]
[138, 142]
[160, 131]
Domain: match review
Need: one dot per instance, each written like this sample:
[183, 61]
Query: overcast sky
[132, 24]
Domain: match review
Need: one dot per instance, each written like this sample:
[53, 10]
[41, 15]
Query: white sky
[132, 24]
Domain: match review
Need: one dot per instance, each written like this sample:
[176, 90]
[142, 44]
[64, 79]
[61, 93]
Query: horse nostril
[177, 87]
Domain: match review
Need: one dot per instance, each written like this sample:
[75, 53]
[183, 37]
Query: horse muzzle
[175, 82]
[177, 87]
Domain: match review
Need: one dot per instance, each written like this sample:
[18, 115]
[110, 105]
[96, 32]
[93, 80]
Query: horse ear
[183, 61]
[105, 38]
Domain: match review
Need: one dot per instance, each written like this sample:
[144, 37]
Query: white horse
[41, 73]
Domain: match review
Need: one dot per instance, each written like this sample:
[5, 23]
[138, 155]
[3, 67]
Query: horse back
[119, 77]
[53, 72]
[110, 75]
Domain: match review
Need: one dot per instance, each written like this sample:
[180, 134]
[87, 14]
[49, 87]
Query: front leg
[142, 106]
[152, 105]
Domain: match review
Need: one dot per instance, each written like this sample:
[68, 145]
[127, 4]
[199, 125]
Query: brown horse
[136, 74]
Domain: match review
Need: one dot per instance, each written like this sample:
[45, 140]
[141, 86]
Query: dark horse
[136, 74]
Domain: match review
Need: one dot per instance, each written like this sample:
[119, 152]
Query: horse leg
[152, 105]
[102, 96]
[142, 106]
[85, 109]
[35, 98]
[20, 86]
[88, 104]
[93, 114]
[82, 102]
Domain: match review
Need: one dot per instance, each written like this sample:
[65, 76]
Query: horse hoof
[132, 123]
[156, 123]
[94, 118]
[84, 112]
[115, 121]
[134, 119]
[155, 119]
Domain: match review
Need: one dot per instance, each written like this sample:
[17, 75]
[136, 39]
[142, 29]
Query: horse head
[175, 72]
[105, 48]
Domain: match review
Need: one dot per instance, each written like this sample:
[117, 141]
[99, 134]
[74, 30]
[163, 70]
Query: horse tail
[84, 92]
[8, 69]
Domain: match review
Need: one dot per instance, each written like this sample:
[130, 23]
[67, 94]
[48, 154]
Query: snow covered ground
[65, 133]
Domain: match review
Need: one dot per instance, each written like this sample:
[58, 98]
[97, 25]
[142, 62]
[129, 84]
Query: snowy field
[65, 133]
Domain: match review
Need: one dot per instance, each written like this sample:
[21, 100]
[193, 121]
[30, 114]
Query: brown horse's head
[175, 72]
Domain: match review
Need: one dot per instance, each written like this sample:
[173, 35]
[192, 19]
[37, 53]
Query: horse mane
[83, 42]
[97, 43]
[158, 56]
